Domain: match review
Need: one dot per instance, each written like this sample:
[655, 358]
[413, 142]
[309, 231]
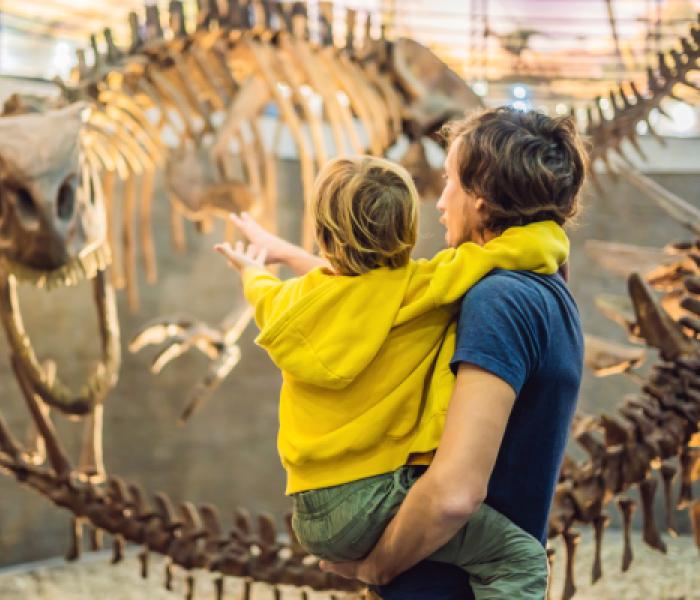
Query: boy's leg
[344, 522]
[503, 561]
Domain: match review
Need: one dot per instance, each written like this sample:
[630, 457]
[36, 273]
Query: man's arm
[452, 488]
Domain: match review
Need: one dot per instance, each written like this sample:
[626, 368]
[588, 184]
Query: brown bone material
[599, 525]
[647, 489]
[631, 106]
[694, 512]
[571, 541]
[668, 472]
[627, 507]
[250, 551]
[685, 495]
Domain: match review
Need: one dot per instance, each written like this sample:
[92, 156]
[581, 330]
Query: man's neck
[482, 236]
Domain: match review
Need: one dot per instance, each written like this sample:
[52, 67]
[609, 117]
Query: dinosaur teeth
[79, 269]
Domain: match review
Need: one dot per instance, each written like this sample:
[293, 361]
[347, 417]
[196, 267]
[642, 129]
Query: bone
[668, 472]
[168, 576]
[694, 512]
[656, 326]
[599, 525]
[8, 444]
[96, 539]
[128, 215]
[612, 472]
[219, 589]
[647, 490]
[365, 101]
[146, 228]
[325, 22]
[605, 358]
[627, 507]
[315, 69]
[144, 563]
[154, 29]
[76, 534]
[167, 90]
[571, 540]
[551, 555]
[118, 547]
[685, 495]
[36, 449]
[135, 28]
[183, 80]
[265, 61]
[216, 374]
[56, 455]
[91, 464]
[177, 229]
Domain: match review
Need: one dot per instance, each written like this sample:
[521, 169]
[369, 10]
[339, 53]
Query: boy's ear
[480, 205]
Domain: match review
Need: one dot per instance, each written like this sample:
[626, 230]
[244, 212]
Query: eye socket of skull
[65, 203]
[25, 208]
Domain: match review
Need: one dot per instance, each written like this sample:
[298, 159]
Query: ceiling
[562, 50]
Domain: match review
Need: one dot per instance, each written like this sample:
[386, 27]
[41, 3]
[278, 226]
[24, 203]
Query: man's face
[459, 210]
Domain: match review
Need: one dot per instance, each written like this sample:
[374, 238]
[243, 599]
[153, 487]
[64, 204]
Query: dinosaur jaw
[82, 267]
[90, 266]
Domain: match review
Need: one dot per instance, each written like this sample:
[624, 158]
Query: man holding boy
[518, 357]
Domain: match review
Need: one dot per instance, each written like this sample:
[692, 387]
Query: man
[518, 357]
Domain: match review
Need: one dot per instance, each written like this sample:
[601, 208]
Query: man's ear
[480, 205]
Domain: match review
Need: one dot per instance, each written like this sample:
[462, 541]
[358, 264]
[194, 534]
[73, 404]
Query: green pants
[344, 522]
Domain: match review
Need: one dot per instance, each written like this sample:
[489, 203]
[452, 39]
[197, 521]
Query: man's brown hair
[525, 165]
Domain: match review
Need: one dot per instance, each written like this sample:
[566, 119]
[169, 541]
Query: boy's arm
[278, 250]
[261, 289]
[540, 247]
[299, 260]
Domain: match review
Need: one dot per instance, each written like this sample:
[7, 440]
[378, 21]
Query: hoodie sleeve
[261, 288]
[540, 247]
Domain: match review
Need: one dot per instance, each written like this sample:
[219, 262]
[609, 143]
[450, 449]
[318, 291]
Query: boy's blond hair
[366, 214]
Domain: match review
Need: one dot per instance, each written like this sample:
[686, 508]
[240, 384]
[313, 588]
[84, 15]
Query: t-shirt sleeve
[501, 330]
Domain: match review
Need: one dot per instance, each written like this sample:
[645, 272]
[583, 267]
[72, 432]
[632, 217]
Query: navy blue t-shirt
[525, 329]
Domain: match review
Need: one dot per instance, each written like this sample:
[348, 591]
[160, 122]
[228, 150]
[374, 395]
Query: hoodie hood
[328, 336]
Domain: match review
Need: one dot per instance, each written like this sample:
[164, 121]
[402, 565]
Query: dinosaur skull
[52, 218]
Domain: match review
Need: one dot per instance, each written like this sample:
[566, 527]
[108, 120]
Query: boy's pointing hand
[241, 256]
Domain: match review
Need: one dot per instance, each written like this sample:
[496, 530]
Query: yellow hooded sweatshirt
[365, 359]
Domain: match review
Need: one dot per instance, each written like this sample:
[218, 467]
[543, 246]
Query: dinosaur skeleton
[190, 537]
[188, 106]
[661, 425]
[646, 433]
[630, 106]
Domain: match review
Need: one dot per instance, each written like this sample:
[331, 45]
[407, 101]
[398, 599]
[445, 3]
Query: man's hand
[443, 499]
[242, 257]
[277, 249]
[360, 570]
